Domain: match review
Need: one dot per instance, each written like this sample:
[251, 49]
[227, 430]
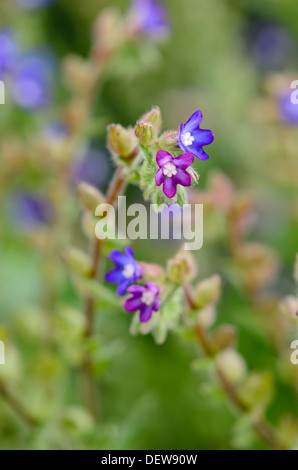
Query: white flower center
[169, 169]
[187, 139]
[148, 298]
[128, 271]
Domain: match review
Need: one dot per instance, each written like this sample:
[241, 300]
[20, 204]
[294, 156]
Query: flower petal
[163, 157]
[159, 177]
[184, 160]
[132, 304]
[114, 276]
[170, 187]
[156, 305]
[146, 313]
[200, 153]
[118, 258]
[183, 178]
[194, 122]
[202, 137]
[129, 252]
[122, 287]
[153, 287]
[137, 290]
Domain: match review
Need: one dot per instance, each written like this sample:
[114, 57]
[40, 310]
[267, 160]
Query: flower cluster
[127, 272]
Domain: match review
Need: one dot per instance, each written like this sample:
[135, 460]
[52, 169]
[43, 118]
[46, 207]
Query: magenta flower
[192, 138]
[172, 171]
[144, 298]
[126, 272]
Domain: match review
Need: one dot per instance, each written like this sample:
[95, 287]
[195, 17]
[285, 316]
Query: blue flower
[126, 272]
[8, 51]
[288, 109]
[32, 209]
[150, 18]
[32, 4]
[32, 81]
[192, 138]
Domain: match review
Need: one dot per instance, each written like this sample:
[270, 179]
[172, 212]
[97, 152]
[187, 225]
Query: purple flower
[32, 4]
[150, 18]
[144, 298]
[127, 270]
[90, 165]
[172, 171]
[32, 209]
[8, 51]
[288, 110]
[32, 81]
[192, 138]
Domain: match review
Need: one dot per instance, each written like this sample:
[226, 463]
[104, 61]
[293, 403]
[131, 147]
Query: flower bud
[232, 365]
[206, 316]
[257, 390]
[168, 141]
[122, 142]
[90, 196]
[145, 132]
[182, 268]
[208, 291]
[153, 117]
[224, 337]
[77, 261]
[151, 272]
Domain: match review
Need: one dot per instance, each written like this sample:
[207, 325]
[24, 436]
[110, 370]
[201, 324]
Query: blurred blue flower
[91, 166]
[150, 18]
[288, 110]
[56, 131]
[8, 51]
[126, 272]
[272, 46]
[32, 81]
[32, 210]
[32, 4]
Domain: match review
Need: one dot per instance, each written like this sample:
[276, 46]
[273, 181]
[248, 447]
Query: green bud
[182, 268]
[145, 132]
[224, 337]
[232, 365]
[257, 390]
[77, 261]
[122, 142]
[168, 140]
[90, 196]
[153, 117]
[206, 316]
[208, 291]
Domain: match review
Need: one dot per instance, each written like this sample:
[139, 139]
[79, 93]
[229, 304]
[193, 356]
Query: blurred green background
[150, 396]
